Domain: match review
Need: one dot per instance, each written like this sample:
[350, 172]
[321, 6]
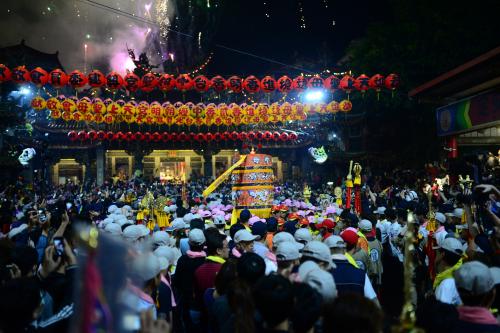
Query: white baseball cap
[196, 237]
[452, 245]
[161, 238]
[287, 251]
[335, 242]
[474, 277]
[303, 234]
[244, 236]
[146, 266]
[440, 217]
[318, 251]
[380, 210]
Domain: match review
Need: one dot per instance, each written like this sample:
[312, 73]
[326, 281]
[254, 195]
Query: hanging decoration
[182, 137]
[318, 154]
[109, 111]
[251, 84]
[39, 76]
[184, 82]
[77, 79]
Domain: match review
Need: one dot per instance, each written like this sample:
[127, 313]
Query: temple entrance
[171, 171]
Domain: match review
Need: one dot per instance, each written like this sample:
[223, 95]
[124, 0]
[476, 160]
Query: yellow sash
[446, 274]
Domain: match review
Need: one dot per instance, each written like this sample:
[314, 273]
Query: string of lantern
[110, 112]
[185, 82]
[251, 136]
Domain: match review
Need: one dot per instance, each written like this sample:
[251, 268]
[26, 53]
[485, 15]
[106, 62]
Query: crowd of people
[95, 258]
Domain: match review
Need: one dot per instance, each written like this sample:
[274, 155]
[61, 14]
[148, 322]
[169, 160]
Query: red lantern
[198, 137]
[129, 136]
[376, 82]
[77, 79]
[293, 136]
[332, 83]
[173, 136]
[101, 136]
[242, 136]
[5, 73]
[347, 84]
[165, 137]
[39, 76]
[299, 83]
[20, 74]
[148, 82]
[267, 135]
[110, 136]
[184, 82]
[92, 135]
[316, 82]
[119, 135]
[131, 82]
[147, 136]
[201, 83]
[217, 137]
[218, 83]
[268, 84]
[259, 135]
[166, 82]
[156, 136]
[82, 136]
[285, 84]
[96, 79]
[114, 81]
[139, 136]
[251, 135]
[225, 136]
[361, 83]
[233, 136]
[235, 83]
[209, 137]
[72, 135]
[392, 81]
[284, 136]
[251, 84]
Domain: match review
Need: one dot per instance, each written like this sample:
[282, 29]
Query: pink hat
[227, 217]
[301, 213]
[204, 213]
[331, 210]
[288, 202]
[303, 205]
[254, 219]
[311, 219]
[295, 203]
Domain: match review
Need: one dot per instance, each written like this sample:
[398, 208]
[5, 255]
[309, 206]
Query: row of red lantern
[200, 83]
[182, 137]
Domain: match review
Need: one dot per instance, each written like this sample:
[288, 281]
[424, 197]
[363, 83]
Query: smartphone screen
[59, 246]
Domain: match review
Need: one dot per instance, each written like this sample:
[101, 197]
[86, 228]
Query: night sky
[70, 24]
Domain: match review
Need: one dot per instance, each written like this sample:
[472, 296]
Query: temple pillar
[100, 166]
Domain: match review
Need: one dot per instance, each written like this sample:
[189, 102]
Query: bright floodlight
[25, 91]
[314, 95]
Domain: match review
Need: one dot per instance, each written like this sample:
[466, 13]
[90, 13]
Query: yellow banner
[222, 177]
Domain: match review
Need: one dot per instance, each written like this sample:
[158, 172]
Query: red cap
[327, 223]
[350, 237]
[275, 208]
[293, 216]
[304, 221]
[283, 208]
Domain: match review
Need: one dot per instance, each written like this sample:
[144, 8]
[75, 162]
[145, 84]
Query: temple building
[61, 160]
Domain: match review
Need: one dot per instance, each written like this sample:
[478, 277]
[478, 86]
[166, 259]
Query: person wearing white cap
[303, 235]
[319, 253]
[284, 236]
[287, 256]
[348, 279]
[166, 296]
[114, 229]
[135, 233]
[323, 282]
[476, 286]
[145, 281]
[448, 260]
[440, 233]
[243, 241]
[160, 238]
[382, 224]
[112, 209]
[375, 248]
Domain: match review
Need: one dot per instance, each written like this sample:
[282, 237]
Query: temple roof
[21, 54]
